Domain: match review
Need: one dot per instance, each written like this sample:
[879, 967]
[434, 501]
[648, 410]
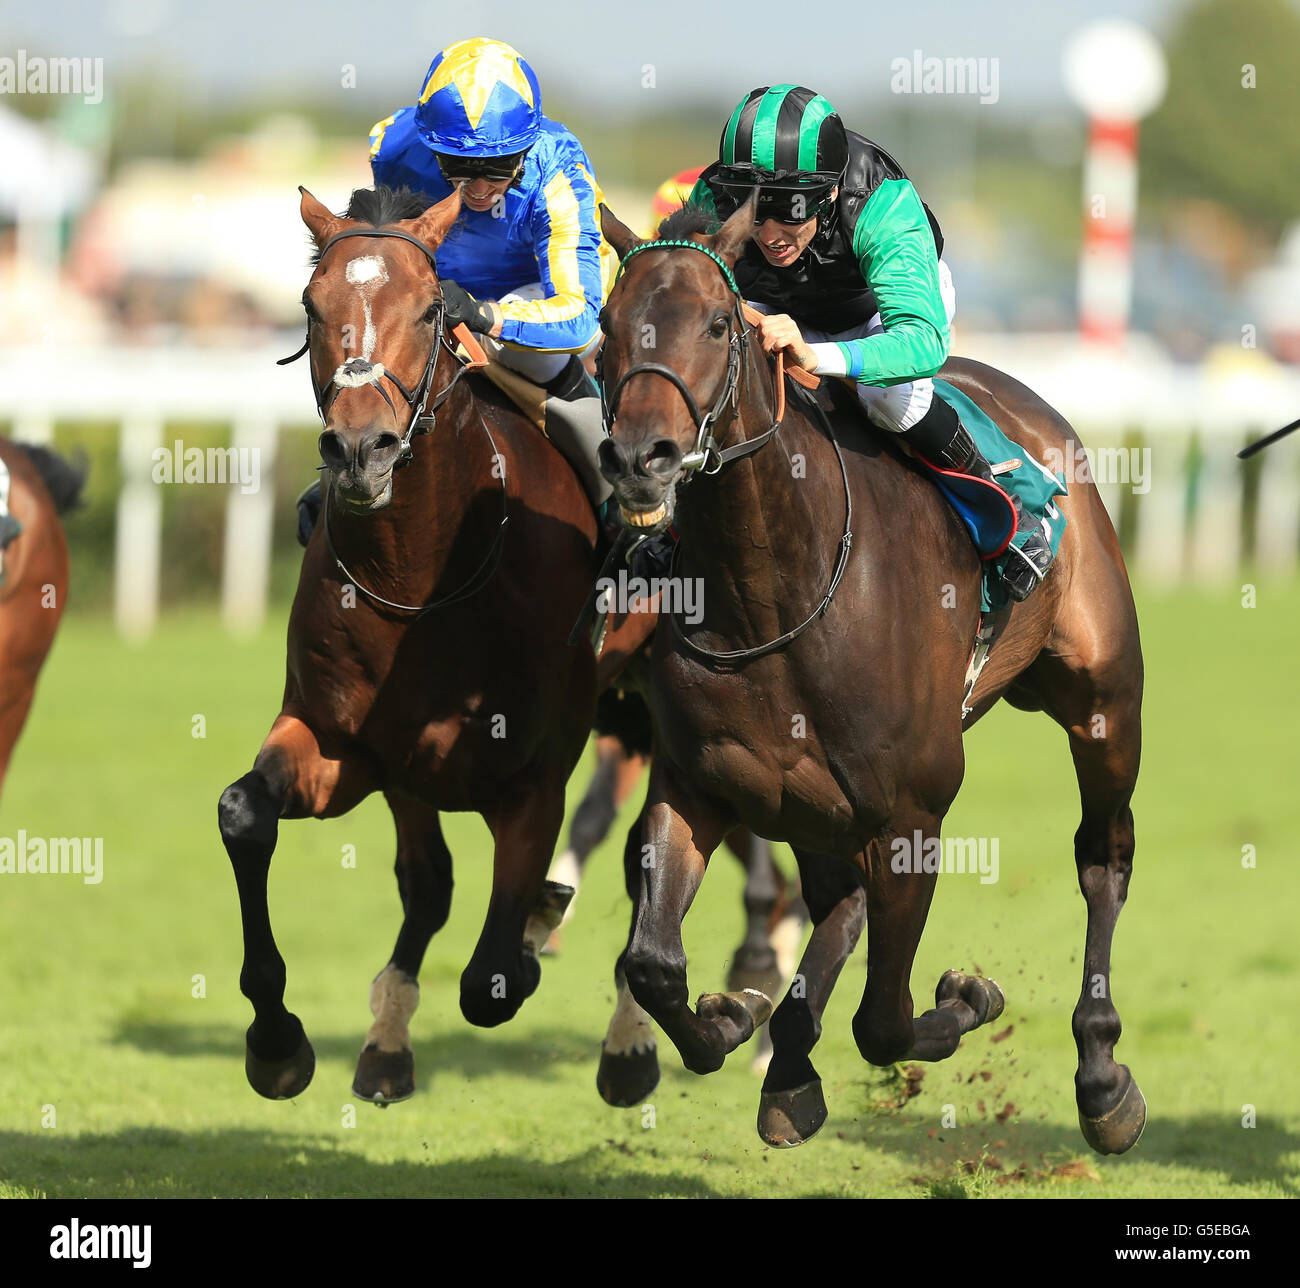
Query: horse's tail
[63, 479]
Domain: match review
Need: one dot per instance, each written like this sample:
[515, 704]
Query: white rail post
[1277, 511]
[246, 557]
[1216, 520]
[139, 528]
[1161, 516]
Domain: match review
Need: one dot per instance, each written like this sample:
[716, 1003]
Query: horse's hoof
[553, 945]
[384, 1077]
[281, 1079]
[788, 1118]
[547, 914]
[627, 1079]
[749, 1008]
[983, 996]
[1118, 1130]
[756, 969]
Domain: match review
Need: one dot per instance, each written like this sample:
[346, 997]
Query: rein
[359, 371]
[706, 446]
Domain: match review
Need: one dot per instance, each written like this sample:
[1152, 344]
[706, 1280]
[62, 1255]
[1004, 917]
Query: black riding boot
[309, 503]
[943, 440]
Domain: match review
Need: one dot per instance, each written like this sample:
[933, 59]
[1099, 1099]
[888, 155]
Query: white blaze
[367, 273]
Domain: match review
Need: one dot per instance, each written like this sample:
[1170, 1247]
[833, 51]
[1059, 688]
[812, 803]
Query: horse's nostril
[386, 442]
[613, 460]
[663, 458]
[332, 450]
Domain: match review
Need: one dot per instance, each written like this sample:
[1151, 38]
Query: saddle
[1016, 472]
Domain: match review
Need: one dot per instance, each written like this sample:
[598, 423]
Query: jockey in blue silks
[525, 264]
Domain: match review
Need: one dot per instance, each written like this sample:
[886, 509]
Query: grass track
[97, 1017]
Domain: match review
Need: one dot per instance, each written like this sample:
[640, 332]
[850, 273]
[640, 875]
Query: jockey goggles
[788, 197]
[492, 169]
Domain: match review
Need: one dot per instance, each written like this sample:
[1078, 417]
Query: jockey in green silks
[845, 264]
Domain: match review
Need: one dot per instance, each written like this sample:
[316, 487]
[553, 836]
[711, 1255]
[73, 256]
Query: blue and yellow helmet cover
[479, 99]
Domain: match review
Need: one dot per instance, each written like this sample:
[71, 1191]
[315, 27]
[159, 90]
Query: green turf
[97, 1017]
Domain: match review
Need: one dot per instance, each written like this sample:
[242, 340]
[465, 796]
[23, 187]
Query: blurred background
[151, 255]
[1121, 206]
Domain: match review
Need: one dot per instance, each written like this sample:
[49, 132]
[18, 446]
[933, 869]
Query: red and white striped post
[1116, 71]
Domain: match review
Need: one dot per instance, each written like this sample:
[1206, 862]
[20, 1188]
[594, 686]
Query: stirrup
[1026, 566]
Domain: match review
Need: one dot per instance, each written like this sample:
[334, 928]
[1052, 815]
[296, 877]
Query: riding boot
[309, 503]
[575, 424]
[943, 440]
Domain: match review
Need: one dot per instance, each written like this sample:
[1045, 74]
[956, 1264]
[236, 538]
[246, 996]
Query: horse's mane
[689, 219]
[380, 206]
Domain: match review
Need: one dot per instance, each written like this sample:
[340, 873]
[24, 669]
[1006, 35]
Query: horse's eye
[719, 327]
[431, 313]
[310, 310]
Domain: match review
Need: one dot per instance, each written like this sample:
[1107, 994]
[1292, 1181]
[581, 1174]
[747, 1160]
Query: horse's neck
[758, 533]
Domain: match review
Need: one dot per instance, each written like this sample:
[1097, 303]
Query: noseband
[357, 371]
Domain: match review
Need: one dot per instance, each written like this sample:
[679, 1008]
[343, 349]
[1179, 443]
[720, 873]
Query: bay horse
[427, 653]
[34, 579]
[837, 726]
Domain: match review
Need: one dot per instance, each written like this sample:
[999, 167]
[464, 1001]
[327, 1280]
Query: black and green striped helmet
[787, 142]
[785, 132]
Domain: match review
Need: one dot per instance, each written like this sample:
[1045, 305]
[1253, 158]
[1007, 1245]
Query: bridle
[357, 372]
[709, 458]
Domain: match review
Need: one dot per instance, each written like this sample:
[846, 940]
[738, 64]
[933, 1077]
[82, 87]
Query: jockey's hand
[462, 307]
[779, 331]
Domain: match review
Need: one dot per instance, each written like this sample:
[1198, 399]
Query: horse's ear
[434, 225]
[619, 236]
[730, 239]
[321, 223]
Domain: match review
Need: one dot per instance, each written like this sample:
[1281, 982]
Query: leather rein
[708, 458]
[357, 372]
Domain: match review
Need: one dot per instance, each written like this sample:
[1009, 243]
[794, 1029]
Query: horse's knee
[489, 997]
[657, 979]
[248, 814]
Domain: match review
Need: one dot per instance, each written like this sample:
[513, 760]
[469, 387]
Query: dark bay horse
[846, 739]
[427, 645]
[34, 576]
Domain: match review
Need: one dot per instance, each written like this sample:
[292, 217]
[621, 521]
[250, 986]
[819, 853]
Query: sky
[593, 54]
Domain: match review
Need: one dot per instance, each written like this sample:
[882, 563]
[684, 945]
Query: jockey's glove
[461, 306]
